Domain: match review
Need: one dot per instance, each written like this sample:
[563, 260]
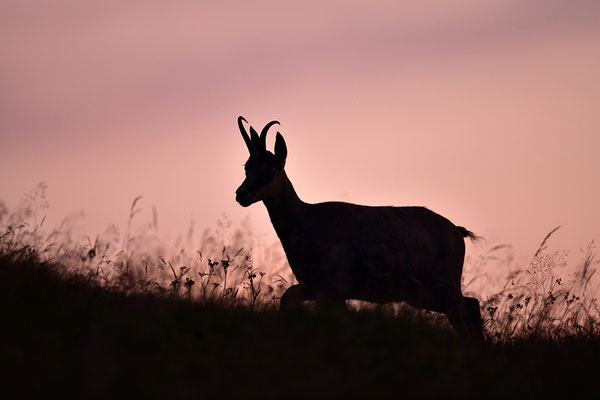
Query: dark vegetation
[104, 320]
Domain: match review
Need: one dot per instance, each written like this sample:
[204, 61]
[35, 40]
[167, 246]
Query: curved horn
[263, 134]
[245, 134]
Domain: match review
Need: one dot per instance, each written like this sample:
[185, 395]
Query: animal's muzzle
[243, 197]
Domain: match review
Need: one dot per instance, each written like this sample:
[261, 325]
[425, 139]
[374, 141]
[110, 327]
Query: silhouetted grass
[532, 300]
[129, 316]
[65, 335]
[540, 299]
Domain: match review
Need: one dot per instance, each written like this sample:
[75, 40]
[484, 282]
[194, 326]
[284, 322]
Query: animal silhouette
[340, 251]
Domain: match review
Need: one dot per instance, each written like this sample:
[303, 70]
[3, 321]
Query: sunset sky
[486, 112]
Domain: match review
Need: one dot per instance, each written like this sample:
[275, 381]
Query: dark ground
[65, 337]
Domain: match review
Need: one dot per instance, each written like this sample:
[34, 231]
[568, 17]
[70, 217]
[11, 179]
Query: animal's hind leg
[456, 312]
[292, 299]
[473, 317]
[463, 313]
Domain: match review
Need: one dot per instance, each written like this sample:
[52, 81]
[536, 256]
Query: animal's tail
[466, 233]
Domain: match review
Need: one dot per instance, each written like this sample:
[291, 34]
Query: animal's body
[339, 251]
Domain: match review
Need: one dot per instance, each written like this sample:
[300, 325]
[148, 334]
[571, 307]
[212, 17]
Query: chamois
[339, 251]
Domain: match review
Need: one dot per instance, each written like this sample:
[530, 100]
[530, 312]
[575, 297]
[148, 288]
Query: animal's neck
[285, 208]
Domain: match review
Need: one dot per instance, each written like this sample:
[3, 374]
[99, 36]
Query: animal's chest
[314, 260]
[337, 264]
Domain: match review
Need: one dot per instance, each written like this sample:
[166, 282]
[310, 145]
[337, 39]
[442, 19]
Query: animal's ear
[255, 140]
[280, 150]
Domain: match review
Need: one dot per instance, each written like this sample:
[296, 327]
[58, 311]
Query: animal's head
[263, 168]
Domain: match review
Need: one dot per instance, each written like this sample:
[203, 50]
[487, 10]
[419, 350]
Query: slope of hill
[63, 335]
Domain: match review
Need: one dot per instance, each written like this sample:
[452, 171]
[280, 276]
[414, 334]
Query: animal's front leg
[292, 298]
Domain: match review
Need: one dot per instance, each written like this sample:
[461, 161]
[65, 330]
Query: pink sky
[484, 111]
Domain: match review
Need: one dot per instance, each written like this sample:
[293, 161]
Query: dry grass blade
[542, 246]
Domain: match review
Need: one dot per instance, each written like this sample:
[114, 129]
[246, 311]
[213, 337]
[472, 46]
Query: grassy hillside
[64, 334]
[128, 315]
